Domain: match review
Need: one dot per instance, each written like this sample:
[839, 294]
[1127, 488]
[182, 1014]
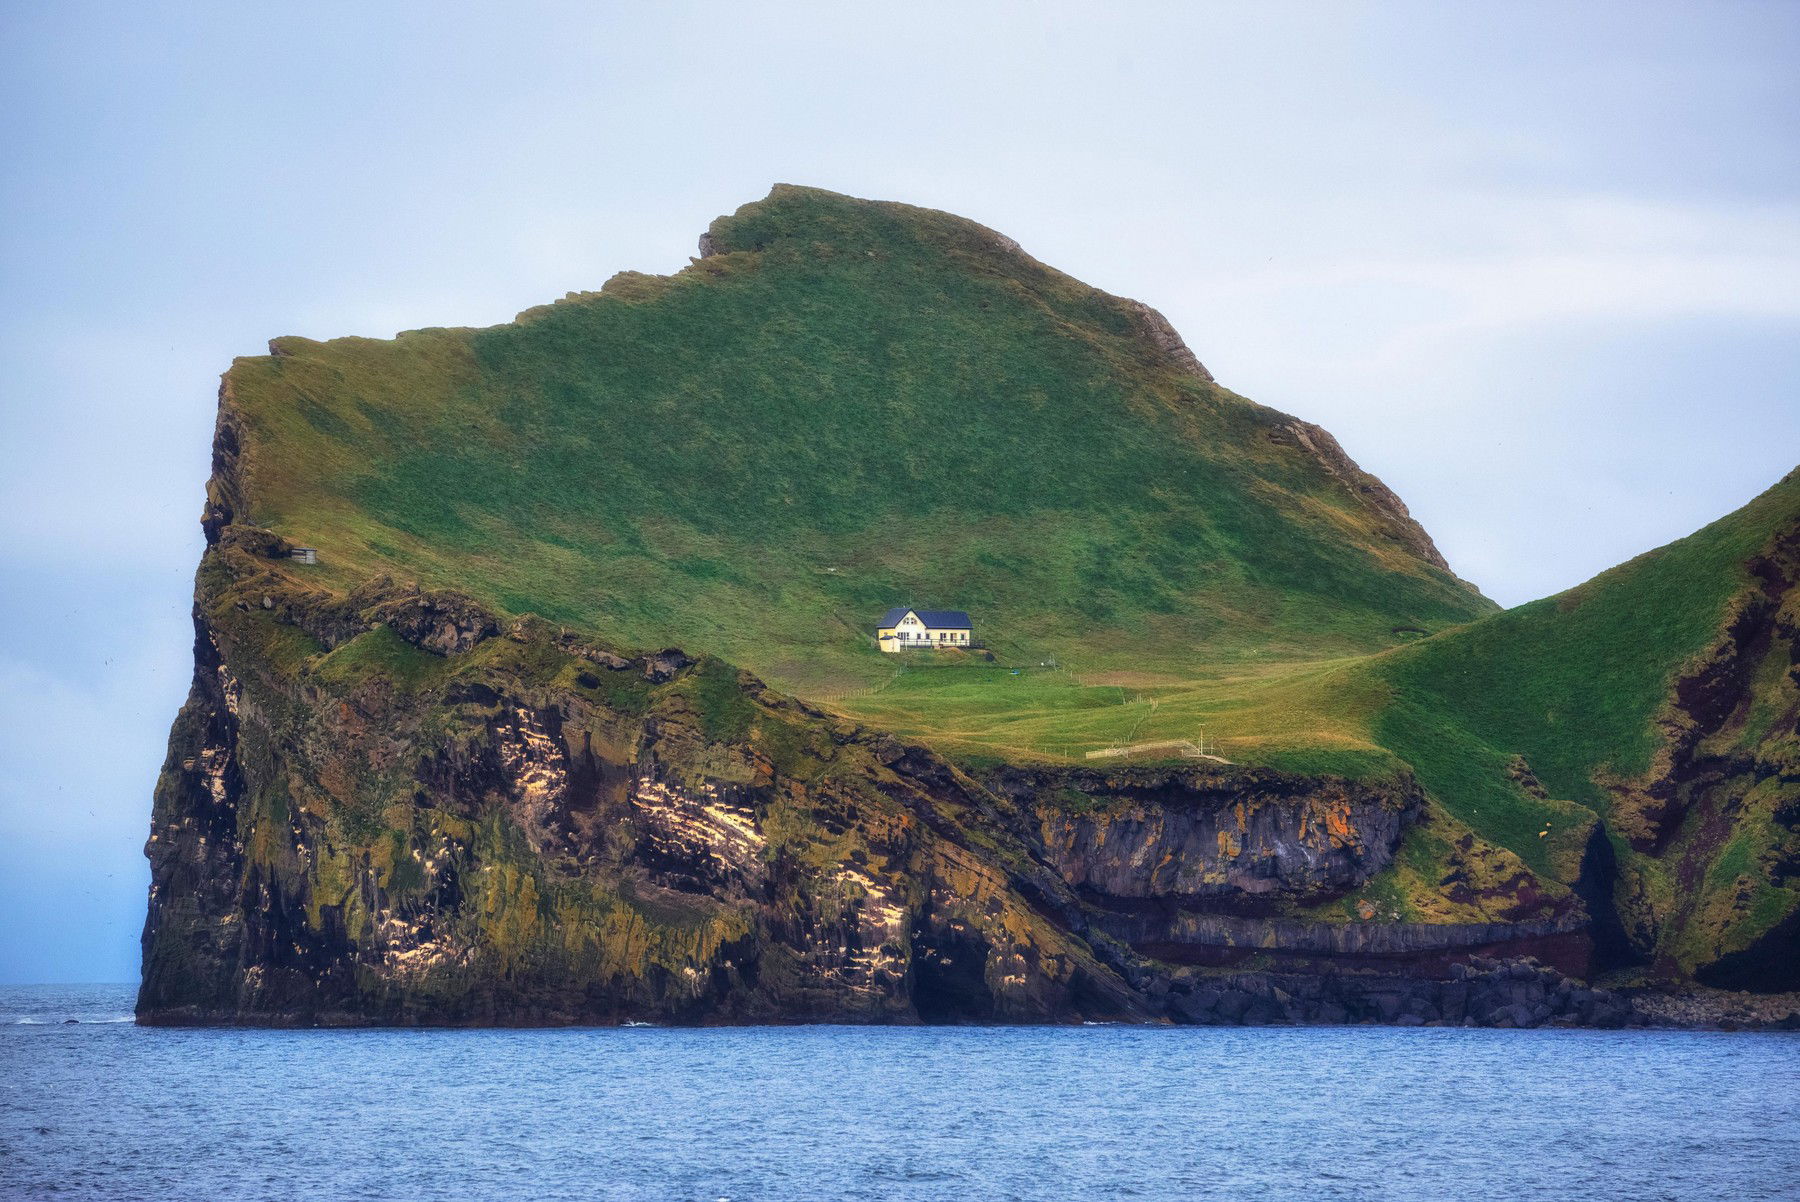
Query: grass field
[1299, 714]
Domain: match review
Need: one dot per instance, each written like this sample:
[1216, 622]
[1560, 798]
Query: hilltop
[841, 406]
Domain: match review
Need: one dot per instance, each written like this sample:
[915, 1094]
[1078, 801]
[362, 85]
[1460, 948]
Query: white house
[901, 629]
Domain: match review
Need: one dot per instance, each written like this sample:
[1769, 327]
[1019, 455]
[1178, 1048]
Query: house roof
[937, 619]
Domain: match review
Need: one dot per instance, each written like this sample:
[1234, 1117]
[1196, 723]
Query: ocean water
[104, 1109]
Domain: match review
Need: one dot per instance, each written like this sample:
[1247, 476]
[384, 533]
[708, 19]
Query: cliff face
[387, 805]
[1229, 837]
[376, 809]
[1220, 867]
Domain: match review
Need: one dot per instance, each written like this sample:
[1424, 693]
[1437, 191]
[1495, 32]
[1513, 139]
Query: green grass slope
[845, 405]
[1661, 697]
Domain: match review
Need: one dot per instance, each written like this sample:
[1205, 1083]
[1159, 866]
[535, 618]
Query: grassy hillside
[1576, 680]
[1661, 697]
[846, 405]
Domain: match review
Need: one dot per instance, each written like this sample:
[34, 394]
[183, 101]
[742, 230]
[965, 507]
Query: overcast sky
[1537, 267]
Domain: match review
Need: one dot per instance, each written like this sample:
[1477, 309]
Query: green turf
[851, 406]
[1579, 685]
[1574, 682]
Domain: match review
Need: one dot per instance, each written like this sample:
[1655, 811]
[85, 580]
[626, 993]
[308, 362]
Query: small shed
[304, 554]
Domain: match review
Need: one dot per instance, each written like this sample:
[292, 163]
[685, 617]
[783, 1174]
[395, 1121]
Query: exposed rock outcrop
[1231, 836]
[1480, 993]
[448, 828]
[1167, 340]
[1728, 764]
[1399, 523]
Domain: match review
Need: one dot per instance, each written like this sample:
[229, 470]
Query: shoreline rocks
[1518, 993]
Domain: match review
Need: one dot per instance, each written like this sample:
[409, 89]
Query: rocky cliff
[388, 805]
[383, 807]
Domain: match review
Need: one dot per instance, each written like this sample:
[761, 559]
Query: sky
[1536, 266]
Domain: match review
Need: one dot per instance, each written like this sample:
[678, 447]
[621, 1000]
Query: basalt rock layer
[1209, 835]
[1478, 992]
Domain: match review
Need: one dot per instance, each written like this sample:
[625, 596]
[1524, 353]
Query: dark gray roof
[937, 619]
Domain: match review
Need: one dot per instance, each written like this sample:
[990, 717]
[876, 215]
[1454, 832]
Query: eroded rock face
[1161, 334]
[529, 830]
[1214, 835]
[1206, 866]
[442, 622]
[1729, 763]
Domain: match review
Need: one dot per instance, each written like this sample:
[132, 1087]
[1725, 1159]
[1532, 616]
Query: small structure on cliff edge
[304, 554]
[903, 628]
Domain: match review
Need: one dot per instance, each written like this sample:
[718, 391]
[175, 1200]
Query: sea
[100, 1108]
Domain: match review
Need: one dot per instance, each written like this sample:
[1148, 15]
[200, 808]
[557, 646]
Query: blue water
[104, 1109]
